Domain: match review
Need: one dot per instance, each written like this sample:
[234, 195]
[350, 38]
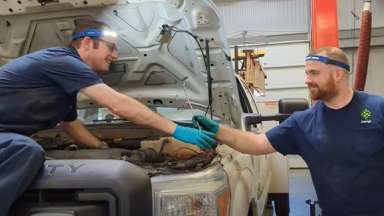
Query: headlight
[192, 195]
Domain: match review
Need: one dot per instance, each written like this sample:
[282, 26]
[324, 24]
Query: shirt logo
[366, 116]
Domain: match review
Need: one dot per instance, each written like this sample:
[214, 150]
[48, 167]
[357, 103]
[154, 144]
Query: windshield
[102, 115]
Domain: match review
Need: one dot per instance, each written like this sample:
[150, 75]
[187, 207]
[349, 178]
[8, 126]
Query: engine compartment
[156, 153]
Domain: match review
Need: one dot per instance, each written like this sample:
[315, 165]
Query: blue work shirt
[39, 90]
[344, 152]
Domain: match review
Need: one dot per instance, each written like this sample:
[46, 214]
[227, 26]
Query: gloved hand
[205, 123]
[201, 138]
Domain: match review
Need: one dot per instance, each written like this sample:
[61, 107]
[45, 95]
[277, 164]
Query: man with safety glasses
[341, 138]
[38, 91]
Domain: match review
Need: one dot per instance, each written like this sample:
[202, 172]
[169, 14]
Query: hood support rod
[209, 77]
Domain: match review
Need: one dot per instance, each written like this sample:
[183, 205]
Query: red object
[364, 46]
[324, 24]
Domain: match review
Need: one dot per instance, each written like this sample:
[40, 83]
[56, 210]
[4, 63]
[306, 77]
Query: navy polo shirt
[39, 90]
[344, 152]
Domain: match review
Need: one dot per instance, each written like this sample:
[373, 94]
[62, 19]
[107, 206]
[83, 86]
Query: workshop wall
[349, 13]
[245, 19]
[265, 24]
[375, 76]
[254, 23]
[284, 67]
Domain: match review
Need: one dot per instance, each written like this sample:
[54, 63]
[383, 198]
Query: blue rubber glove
[205, 123]
[201, 138]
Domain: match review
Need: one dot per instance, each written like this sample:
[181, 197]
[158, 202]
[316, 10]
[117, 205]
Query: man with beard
[38, 91]
[341, 138]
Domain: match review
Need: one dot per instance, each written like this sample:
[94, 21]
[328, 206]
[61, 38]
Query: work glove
[203, 139]
[205, 123]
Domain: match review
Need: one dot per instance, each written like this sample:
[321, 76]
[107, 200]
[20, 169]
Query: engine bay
[156, 153]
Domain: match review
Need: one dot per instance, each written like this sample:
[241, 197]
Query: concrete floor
[300, 190]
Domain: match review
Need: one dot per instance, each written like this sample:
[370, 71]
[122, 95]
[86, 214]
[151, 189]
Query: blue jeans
[20, 160]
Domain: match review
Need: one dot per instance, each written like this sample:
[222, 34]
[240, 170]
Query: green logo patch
[366, 115]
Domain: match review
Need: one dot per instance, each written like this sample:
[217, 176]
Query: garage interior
[281, 33]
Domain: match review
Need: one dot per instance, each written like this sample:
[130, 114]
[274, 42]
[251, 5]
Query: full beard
[325, 93]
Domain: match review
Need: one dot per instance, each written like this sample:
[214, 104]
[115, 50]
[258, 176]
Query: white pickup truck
[173, 57]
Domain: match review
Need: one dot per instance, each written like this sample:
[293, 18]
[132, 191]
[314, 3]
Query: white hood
[157, 68]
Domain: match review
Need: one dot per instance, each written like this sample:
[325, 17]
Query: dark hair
[85, 23]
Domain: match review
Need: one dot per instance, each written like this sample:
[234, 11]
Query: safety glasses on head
[327, 60]
[94, 33]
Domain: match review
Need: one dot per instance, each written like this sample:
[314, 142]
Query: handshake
[203, 135]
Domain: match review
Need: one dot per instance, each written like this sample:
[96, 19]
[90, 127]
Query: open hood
[156, 65]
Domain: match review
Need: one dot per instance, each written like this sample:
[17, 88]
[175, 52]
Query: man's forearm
[245, 142]
[80, 134]
[138, 113]
[128, 108]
